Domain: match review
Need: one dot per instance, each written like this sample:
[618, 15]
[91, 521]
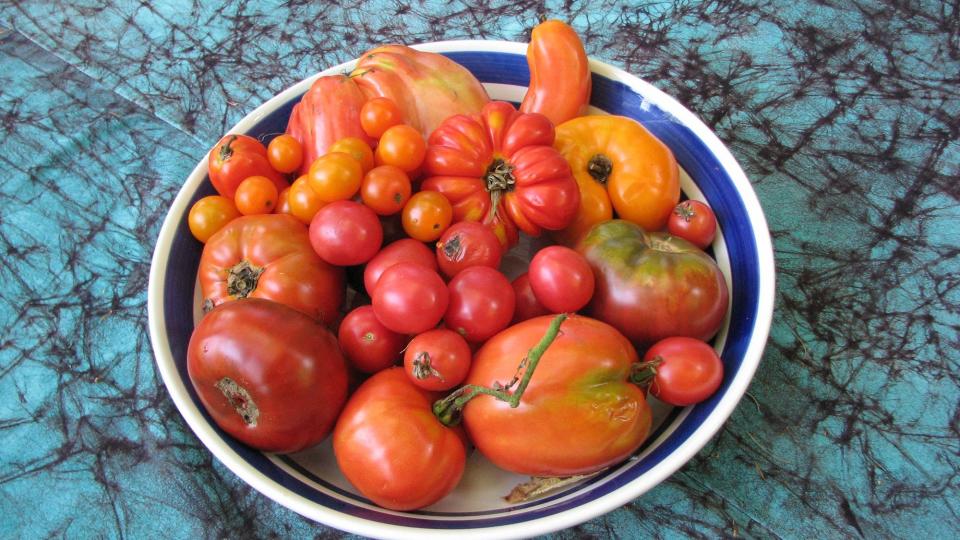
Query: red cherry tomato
[528, 306]
[392, 448]
[386, 189]
[268, 375]
[437, 359]
[403, 250]
[561, 279]
[237, 157]
[685, 370]
[410, 298]
[467, 244]
[481, 303]
[345, 233]
[693, 221]
[367, 343]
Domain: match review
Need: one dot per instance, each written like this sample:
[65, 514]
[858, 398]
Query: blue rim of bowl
[717, 176]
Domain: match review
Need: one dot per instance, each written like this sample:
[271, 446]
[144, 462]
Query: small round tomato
[210, 214]
[693, 221]
[345, 233]
[357, 148]
[437, 360]
[427, 215]
[561, 279]
[379, 114]
[385, 189]
[402, 146]
[335, 176]
[285, 153]
[367, 343]
[481, 303]
[403, 250]
[283, 202]
[392, 448]
[467, 244]
[410, 298]
[682, 370]
[268, 375]
[528, 306]
[237, 157]
[303, 200]
[256, 195]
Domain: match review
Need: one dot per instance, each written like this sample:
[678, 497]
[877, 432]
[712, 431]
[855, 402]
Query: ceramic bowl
[309, 482]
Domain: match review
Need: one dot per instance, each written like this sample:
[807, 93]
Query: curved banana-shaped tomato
[500, 169]
[560, 83]
[328, 112]
[428, 87]
[620, 167]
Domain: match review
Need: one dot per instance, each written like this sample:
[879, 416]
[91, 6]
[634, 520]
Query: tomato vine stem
[449, 410]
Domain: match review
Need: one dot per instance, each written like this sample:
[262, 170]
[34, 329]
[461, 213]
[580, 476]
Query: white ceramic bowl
[310, 484]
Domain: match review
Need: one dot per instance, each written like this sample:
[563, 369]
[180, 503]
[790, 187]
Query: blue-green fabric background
[844, 115]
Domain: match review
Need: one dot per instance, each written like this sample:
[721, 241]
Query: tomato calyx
[600, 167]
[684, 211]
[452, 249]
[242, 279]
[226, 152]
[643, 373]
[423, 369]
[449, 410]
[239, 399]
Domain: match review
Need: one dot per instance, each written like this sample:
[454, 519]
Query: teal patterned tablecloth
[843, 113]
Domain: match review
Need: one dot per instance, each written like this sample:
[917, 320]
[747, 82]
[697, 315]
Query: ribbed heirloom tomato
[269, 256]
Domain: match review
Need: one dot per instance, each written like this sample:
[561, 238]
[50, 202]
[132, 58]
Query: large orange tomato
[579, 412]
[270, 256]
[620, 167]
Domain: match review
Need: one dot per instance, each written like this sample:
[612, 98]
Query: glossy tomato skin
[693, 221]
[652, 286]
[527, 306]
[272, 257]
[285, 364]
[392, 448]
[403, 250]
[579, 413]
[467, 244]
[687, 370]
[410, 298]
[561, 279]
[482, 303]
[437, 360]
[234, 159]
[369, 345]
[346, 233]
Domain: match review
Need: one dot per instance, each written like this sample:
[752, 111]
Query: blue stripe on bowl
[609, 95]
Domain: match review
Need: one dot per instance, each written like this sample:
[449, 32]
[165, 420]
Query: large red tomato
[579, 412]
[500, 168]
[652, 286]
[392, 448]
[268, 375]
[270, 256]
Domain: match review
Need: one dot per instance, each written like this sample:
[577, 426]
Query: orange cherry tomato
[283, 202]
[426, 216]
[256, 195]
[303, 200]
[401, 146]
[385, 189]
[285, 153]
[335, 176]
[209, 215]
[357, 148]
[378, 115]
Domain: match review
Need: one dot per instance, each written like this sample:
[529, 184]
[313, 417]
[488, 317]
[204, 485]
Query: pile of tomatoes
[355, 288]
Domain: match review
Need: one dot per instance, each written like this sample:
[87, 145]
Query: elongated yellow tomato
[621, 168]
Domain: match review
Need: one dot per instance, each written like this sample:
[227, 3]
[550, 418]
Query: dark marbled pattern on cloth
[844, 114]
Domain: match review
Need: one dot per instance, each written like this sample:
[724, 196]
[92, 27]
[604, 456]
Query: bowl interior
[310, 483]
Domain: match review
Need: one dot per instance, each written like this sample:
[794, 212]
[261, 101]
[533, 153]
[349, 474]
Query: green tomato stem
[449, 410]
